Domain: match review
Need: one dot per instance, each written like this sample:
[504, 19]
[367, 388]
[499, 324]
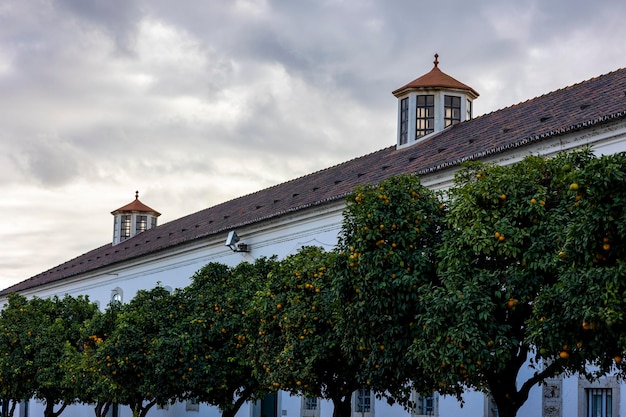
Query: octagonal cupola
[132, 219]
[431, 103]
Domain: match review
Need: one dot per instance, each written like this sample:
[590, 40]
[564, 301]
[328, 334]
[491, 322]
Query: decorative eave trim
[523, 142]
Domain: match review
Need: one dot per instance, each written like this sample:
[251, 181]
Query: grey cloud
[50, 162]
[117, 17]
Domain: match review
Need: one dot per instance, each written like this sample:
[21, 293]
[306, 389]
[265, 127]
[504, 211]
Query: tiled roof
[433, 80]
[136, 206]
[589, 103]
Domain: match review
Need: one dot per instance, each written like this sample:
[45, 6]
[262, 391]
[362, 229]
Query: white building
[436, 132]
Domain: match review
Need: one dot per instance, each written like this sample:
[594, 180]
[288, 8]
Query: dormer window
[424, 115]
[452, 110]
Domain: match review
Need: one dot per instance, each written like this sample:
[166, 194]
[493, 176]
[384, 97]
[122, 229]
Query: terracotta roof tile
[433, 80]
[589, 103]
[136, 206]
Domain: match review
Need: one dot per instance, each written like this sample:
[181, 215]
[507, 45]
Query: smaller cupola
[132, 219]
[430, 104]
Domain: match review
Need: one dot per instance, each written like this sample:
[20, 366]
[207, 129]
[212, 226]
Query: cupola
[132, 219]
[431, 103]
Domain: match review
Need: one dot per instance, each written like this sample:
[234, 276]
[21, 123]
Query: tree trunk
[146, 408]
[245, 395]
[506, 397]
[11, 408]
[49, 410]
[342, 406]
[102, 408]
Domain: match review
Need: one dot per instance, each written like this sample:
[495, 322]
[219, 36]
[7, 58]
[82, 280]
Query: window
[310, 403]
[404, 121]
[141, 224]
[599, 398]
[310, 407]
[452, 110]
[363, 401]
[425, 405]
[125, 227]
[192, 405]
[599, 402]
[153, 222]
[117, 295]
[468, 110]
[424, 115]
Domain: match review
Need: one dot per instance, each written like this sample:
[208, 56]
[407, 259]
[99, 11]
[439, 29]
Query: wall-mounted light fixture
[232, 241]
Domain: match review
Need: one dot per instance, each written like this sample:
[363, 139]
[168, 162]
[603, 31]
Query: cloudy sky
[194, 102]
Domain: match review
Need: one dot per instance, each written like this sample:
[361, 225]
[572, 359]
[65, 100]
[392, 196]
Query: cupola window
[452, 110]
[404, 120]
[142, 224]
[425, 115]
[125, 227]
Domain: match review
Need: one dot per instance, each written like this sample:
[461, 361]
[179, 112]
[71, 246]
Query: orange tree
[385, 254]
[17, 371]
[84, 367]
[140, 375]
[212, 334]
[37, 334]
[500, 252]
[590, 299]
[297, 348]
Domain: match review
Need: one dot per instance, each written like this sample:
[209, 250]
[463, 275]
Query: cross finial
[436, 61]
[136, 195]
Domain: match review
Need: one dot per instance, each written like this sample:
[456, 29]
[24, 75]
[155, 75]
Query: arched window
[117, 295]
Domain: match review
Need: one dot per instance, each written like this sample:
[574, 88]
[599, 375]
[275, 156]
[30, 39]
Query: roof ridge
[523, 141]
[558, 90]
[262, 190]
